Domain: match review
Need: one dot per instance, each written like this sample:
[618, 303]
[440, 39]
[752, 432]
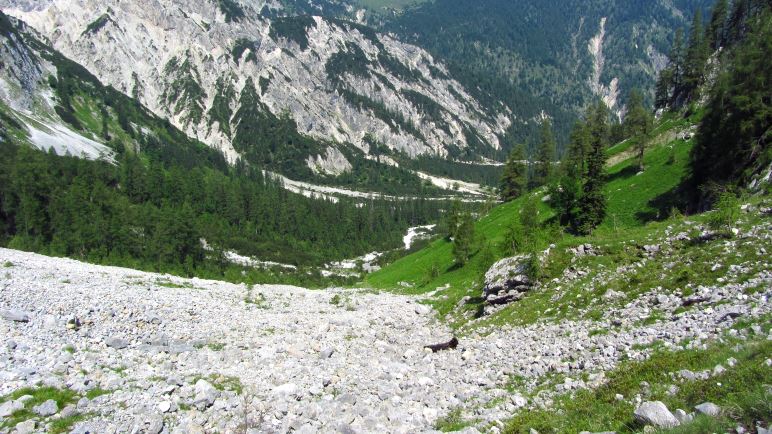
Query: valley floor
[126, 351]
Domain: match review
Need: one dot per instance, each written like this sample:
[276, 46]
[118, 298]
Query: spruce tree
[734, 139]
[638, 123]
[676, 60]
[715, 32]
[592, 204]
[463, 242]
[545, 156]
[513, 178]
[564, 195]
[697, 54]
[452, 219]
[664, 88]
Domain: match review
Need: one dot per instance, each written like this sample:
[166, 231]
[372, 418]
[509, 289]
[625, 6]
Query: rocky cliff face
[190, 60]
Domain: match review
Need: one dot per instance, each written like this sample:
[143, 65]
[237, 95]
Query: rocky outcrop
[507, 280]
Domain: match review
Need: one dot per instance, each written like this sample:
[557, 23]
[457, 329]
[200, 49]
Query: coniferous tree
[715, 33]
[452, 219]
[664, 88]
[463, 242]
[638, 123]
[578, 147]
[677, 58]
[697, 54]
[592, 204]
[734, 139]
[565, 194]
[670, 79]
[514, 176]
[545, 156]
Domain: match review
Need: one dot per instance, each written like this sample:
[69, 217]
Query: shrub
[725, 213]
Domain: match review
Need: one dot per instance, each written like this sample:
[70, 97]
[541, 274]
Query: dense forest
[153, 216]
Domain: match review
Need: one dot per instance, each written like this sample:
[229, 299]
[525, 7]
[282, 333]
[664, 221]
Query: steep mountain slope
[536, 57]
[248, 85]
[561, 54]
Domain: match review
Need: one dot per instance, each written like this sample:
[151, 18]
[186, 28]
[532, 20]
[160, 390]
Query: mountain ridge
[336, 83]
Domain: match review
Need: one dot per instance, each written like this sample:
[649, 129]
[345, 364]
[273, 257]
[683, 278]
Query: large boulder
[206, 394]
[655, 413]
[47, 408]
[510, 276]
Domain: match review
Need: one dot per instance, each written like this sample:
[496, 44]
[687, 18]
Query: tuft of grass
[65, 424]
[335, 300]
[96, 392]
[453, 421]
[7, 264]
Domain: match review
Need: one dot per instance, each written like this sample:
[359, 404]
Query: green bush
[725, 213]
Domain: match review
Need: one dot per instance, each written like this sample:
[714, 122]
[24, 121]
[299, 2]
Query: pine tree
[545, 156]
[513, 178]
[564, 195]
[638, 123]
[463, 242]
[592, 204]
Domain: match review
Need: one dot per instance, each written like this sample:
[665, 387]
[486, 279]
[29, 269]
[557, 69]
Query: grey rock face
[14, 315]
[47, 408]
[683, 416]
[157, 34]
[655, 413]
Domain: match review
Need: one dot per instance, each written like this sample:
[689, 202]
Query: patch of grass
[65, 424]
[259, 301]
[335, 300]
[453, 421]
[96, 392]
[216, 346]
[741, 391]
[63, 397]
[170, 284]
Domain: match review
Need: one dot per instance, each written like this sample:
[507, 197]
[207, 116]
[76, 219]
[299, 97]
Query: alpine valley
[385, 216]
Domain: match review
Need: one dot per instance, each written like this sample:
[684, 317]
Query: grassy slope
[629, 209]
[740, 391]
